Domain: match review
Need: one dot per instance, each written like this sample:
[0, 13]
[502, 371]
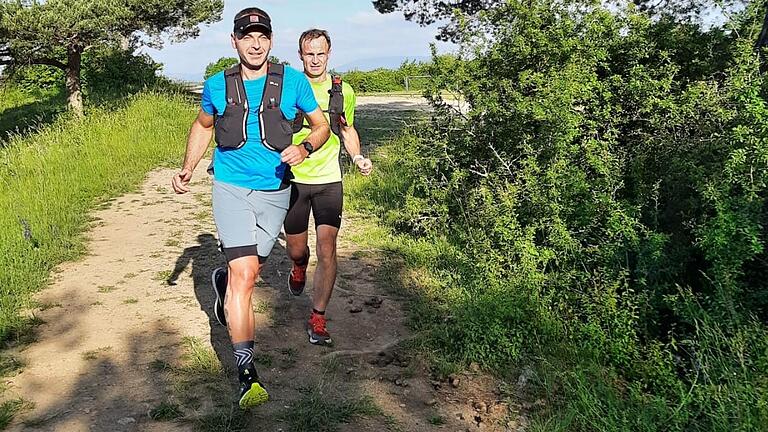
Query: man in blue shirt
[250, 193]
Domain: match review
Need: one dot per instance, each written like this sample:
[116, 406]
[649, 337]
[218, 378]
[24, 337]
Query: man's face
[314, 55]
[252, 47]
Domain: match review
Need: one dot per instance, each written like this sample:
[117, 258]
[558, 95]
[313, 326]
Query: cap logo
[254, 18]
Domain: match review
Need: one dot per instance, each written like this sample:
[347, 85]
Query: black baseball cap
[252, 19]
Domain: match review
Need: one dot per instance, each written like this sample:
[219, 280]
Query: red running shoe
[318, 335]
[298, 278]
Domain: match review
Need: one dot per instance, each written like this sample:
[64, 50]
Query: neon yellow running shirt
[323, 165]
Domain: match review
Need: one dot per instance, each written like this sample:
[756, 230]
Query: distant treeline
[374, 81]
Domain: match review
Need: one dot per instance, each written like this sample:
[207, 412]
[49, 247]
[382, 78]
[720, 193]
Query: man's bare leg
[324, 279]
[238, 307]
[325, 274]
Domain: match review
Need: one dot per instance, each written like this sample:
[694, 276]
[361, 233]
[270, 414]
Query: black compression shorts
[325, 201]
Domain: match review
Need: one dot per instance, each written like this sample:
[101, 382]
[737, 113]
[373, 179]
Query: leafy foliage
[58, 32]
[219, 65]
[428, 12]
[600, 203]
[226, 62]
[387, 80]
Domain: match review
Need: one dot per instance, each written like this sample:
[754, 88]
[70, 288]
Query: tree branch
[49, 62]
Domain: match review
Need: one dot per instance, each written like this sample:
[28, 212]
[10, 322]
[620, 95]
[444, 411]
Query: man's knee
[296, 247]
[243, 277]
[326, 250]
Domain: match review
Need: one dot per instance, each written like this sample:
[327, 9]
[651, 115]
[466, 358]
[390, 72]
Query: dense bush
[387, 80]
[36, 77]
[113, 72]
[377, 80]
[106, 72]
[604, 196]
[219, 65]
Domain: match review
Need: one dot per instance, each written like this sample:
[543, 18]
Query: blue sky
[357, 30]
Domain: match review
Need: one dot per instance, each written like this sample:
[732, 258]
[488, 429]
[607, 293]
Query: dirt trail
[119, 325]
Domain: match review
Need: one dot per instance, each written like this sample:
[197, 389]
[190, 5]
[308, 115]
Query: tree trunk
[762, 40]
[74, 90]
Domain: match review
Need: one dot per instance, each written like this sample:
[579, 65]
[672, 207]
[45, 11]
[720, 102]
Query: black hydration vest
[335, 109]
[231, 126]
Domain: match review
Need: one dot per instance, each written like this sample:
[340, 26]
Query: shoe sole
[290, 290]
[255, 396]
[221, 320]
[320, 342]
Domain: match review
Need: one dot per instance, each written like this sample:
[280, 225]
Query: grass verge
[52, 179]
[322, 409]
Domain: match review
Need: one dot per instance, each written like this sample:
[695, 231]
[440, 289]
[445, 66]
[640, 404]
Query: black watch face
[308, 147]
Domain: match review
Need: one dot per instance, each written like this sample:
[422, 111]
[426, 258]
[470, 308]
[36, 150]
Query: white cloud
[366, 18]
[358, 33]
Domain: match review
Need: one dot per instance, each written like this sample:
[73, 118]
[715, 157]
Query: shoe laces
[317, 322]
[298, 273]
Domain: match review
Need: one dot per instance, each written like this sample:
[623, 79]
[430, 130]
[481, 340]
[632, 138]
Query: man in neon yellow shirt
[317, 187]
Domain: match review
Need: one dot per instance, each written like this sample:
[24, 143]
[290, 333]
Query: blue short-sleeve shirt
[254, 166]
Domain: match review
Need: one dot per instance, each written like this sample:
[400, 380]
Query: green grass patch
[321, 408]
[173, 242]
[9, 366]
[231, 419]
[166, 411]
[200, 360]
[436, 420]
[197, 378]
[22, 111]
[163, 276]
[51, 180]
[10, 408]
[263, 359]
[106, 288]
[95, 353]
[262, 307]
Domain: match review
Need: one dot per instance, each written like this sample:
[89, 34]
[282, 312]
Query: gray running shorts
[248, 221]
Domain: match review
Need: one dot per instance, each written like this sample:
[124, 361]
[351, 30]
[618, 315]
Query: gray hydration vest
[231, 126]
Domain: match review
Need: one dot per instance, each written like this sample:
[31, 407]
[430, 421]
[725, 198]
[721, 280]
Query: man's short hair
[313, 34]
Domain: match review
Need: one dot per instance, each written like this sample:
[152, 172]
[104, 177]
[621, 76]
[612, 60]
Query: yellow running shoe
[252, 393]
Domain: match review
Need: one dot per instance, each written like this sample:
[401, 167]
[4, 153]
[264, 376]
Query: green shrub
[604, 197]
[111, 72]
[106, 72]
[37, 77]
[219, 65]
[388, 80]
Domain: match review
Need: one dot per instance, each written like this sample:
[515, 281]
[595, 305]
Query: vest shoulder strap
[275, 129]
[336, 105]
[273, 86]
[235, 89]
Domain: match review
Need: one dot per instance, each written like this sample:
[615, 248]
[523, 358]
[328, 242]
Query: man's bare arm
[199, 138]
[320, 131]
[351, 141]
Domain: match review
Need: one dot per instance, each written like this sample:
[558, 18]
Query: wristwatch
[308, 147]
